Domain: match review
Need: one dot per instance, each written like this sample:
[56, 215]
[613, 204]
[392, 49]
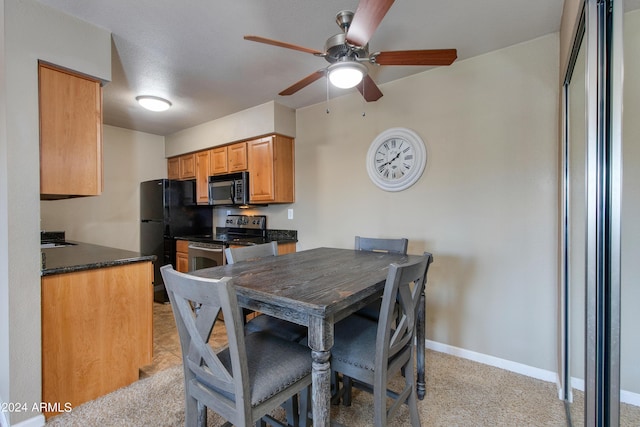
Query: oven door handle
[206, 249]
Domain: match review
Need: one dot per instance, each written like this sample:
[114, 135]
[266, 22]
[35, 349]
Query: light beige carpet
[459, 393]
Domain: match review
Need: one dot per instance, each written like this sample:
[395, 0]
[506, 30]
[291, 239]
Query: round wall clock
[396, 159]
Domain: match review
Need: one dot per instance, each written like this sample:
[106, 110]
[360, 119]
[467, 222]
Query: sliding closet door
[604, 185]
[630, 258]
[574, 227]
[590, 230]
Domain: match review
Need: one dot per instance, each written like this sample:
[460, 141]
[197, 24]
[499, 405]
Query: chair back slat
[397, 324]
[373, 244]
[245, 253]
[196, 303]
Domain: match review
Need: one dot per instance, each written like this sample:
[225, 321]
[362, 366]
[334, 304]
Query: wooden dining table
[317, 288]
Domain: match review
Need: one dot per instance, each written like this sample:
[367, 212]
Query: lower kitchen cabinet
[182, 256]
[286, 248]
[97, 331]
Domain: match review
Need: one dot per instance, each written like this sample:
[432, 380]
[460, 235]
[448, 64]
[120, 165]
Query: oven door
[205, 256]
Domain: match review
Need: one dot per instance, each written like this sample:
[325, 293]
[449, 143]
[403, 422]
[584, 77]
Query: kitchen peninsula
[96, 320]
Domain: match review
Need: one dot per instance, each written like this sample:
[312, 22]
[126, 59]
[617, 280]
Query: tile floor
[166, 344]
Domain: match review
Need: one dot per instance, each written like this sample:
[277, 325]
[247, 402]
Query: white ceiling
[193, 52]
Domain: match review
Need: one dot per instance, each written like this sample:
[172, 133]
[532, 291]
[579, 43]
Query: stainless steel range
[245, 229]
[208, 250]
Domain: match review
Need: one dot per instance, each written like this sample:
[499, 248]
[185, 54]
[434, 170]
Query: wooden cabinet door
[97, 331]
[182, 256]
[182, 262]
[237, 157]
[261, 184]
[202, 177]
[70, 133]
[218, 160]
[173, 168]
[286, 248]
[188, 166]
[271, 169]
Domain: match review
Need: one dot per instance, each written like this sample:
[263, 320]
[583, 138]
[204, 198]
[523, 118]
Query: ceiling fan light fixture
[345, 75]
[153, 103]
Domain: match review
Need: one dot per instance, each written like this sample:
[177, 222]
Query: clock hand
[392, 160]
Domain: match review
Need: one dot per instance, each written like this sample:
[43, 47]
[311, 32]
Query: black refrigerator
[168, 209]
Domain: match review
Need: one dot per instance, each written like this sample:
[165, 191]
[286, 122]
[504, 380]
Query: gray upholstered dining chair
[247, 380]
[373, 244]
[370, 353]
[245, 253]
[372, 310]
[263, 323]
[396, 246]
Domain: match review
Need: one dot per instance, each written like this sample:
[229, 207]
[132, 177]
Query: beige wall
[112, 219]
[485, 206]
[31, 31]
[260, 120]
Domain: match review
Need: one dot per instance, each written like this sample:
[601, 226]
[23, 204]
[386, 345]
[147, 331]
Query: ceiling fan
[347, 52]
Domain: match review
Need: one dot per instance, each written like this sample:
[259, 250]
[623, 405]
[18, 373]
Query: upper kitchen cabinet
[70, 133]
[173, 168]
[182, 167]
[228, 158]
[271, 169]
[237, 157]
[188, 166]
[218, 160]
[202, 176]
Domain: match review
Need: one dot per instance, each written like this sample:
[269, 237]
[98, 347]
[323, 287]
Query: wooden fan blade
[416, 57]
[282, 44]
[302, 83]
[369, 90]
[366, 19]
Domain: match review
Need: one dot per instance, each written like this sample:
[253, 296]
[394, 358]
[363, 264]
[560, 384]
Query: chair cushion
[278, 327]
[274, 364]
[355, 343]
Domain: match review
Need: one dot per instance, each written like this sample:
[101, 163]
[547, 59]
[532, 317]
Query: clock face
[396, 159]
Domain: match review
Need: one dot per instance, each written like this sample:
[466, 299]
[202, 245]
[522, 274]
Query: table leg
[320, 342]
[420, 350]
[321, 395]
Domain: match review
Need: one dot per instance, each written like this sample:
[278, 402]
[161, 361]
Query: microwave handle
[233, 191]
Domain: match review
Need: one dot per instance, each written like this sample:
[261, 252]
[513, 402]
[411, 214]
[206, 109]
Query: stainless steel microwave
[229, 190]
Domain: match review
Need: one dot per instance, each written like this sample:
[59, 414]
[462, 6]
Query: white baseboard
[519, 368]
[630, 398]
[507, 365]
[37, 421]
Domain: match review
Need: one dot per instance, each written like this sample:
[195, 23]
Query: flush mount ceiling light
[346, 74]
[153, 103]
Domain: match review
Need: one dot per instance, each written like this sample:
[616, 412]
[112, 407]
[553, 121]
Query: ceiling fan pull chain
[364, 102]
[327, 80]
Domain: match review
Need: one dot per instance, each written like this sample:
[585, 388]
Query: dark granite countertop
[280, 236]
[85, 256]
